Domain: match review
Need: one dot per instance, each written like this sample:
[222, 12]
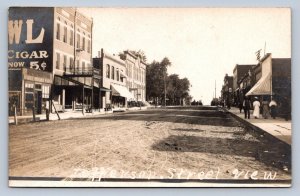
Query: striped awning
[118, 90]
[262, 87]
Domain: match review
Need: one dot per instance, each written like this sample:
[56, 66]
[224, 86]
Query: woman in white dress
[256, 106]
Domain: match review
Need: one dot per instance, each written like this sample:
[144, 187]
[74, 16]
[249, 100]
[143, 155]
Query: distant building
[227, 90]
[273, 81]
[239, 72]
[136, 76]
[113, 90]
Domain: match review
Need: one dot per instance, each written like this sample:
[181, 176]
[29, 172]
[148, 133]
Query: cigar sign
[30, 38]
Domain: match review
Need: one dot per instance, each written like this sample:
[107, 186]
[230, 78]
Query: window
[89, 46]
[118, 75]
[83, 41]
[71, 63]
[58, 31]
[107, 71]
[77, 63]
[57, 60]
[71, 37]
[29, 87]
[45, 91]
[65, 62]
[78, 41]
[65, 34]
[83, 66]
[112, 72]
[29, 95]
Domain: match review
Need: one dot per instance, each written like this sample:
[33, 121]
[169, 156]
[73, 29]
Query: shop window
[45, 91]
[29, 87]
[38, 86]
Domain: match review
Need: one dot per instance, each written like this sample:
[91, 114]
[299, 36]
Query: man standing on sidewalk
[246, 105]
[273, 107]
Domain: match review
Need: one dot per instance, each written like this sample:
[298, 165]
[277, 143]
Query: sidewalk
[69, 115]
[279, 127]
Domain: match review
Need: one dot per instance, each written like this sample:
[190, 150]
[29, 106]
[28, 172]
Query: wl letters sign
[30, 38]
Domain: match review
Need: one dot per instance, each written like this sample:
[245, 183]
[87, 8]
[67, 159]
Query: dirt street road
[177, 143]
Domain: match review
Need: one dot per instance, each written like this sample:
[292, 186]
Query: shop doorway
[38, 101]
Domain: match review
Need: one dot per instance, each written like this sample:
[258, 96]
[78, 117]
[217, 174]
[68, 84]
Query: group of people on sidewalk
[267, 107]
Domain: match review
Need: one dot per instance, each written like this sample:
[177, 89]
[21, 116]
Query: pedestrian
[273, 108]
[246, 106]
[265, 109]
[256, 106]
[240, 106]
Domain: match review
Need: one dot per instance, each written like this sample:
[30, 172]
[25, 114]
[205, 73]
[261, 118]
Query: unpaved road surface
[176, 143]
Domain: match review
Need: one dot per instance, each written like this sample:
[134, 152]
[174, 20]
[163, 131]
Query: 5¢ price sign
[37, 65]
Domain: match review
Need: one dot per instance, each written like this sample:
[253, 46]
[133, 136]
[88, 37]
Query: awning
[122, 91]
[104, 89]
[262, 87]
[122, 75]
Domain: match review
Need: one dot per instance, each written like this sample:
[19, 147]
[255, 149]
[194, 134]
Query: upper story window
[112, 72]
[83, 41]
[65, 34]
[65, 62]
[107, 71]
[71, 63]
[89, 46]
[57, 60]
[58, 31]
[118, 75]
[71, 37]
[83, 65]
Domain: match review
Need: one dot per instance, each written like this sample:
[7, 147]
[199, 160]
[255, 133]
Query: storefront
[30, 92]
[120, 96]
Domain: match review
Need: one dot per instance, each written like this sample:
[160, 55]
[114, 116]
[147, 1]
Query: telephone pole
[215, 89]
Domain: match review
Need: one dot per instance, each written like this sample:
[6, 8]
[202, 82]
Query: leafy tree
[178, 90]
[156, 77]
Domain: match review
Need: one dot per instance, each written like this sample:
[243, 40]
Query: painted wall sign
[30, 38]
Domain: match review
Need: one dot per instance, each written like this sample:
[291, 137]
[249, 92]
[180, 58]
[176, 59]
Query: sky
[203, 44]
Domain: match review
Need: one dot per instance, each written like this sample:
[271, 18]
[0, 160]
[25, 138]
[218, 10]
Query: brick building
[49, 58]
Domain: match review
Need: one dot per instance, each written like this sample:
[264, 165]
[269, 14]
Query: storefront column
[63, 99]
[83, 99]
[73, 103]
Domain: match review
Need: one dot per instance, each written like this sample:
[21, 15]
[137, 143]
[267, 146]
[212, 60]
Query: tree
[178, 90]
[156, 76]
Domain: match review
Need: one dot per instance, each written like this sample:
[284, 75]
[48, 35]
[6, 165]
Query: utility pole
[215, 89]
[165, 88]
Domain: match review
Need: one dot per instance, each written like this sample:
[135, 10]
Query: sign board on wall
[30, 38]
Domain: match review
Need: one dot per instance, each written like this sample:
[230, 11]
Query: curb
[256, 129]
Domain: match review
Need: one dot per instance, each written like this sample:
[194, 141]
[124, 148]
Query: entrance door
[38, 102]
